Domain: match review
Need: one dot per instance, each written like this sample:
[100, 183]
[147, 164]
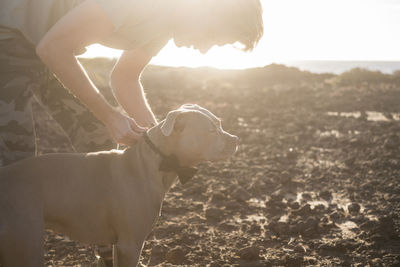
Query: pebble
[175, 256]
[292, 260]
[285, 177]
[249, 253]
[157, 254]
[255, 229]
[335, 215]
[214, 214]
[233, 205]
[240, 194]
[304, 210]
[278, 227]
[295, 205]
[353, 208]
[218, 197]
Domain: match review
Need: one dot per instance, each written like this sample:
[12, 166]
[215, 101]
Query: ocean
[338, 67]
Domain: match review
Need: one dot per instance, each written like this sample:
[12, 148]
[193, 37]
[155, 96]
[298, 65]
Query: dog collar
[170, 163]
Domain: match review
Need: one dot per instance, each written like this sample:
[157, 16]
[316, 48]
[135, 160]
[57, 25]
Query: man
[39, 40]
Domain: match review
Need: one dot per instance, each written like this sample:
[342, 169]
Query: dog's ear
[170, 123]
[196, 107]
[190, 106]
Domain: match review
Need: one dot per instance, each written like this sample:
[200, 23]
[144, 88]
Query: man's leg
[17, 140]
[86, 133]
[19, 71]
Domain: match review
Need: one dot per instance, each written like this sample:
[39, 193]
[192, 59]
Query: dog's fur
[109, 197]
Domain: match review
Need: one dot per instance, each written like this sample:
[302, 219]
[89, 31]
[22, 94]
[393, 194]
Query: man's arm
[125, 81]
[85, 24]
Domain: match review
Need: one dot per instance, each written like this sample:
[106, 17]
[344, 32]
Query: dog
[108, 197]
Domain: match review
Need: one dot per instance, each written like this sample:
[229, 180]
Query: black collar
[170, 163]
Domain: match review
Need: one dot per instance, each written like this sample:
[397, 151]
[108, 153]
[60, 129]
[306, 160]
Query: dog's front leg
[127, 253]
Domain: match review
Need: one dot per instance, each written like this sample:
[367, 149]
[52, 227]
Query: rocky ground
[315, 181]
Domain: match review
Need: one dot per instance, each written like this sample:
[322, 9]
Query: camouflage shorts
[22, 76]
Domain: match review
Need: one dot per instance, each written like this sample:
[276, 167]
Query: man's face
[203, 45]
[201, 34]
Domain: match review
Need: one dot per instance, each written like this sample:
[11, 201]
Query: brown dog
[109, 197]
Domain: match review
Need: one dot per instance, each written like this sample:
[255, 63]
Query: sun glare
[300, 30]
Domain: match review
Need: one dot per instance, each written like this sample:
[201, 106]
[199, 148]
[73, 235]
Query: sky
[352, 30]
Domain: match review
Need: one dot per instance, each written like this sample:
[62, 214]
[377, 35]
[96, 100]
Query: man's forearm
[69, 71]
[131, 97]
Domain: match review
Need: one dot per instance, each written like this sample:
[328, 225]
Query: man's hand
[127, 88]
[123, 130]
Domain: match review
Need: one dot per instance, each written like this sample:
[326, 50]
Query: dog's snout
[235, 139]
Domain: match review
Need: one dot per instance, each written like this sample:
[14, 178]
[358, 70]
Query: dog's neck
[160, 141]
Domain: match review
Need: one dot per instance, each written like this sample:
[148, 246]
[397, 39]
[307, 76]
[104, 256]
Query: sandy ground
[315, 181]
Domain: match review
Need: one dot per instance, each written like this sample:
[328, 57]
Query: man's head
[205, 23]
[195, 135]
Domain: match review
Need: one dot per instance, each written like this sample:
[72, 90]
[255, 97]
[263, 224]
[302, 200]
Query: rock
[353, 208]
[189, 239]
[292, 154]
[392, 142]
[240, 194]
[310, 227]
[350, 161]
[195, 219]
[338, 246]
[233, 205]
[218, 197]
[277, 196]
[274, 207]
[367, 225]
[255, 229]
[311, 223]
[250, 253]
[157, 254]
[300, 249]
[332, 207]
[285, 177]
[335, 215]
[307, 228]
[320, 208]
[195, 189]
[213, 214]
[227, 227]
[175, 256]
[376, 262]
[278, 227]
[259, 263]
[306, 196]
[326, 195]
[325, 227]
[303, 211]
[294, 205]
[387, 227]
[294, 260]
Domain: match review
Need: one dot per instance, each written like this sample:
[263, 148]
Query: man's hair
[247, 22]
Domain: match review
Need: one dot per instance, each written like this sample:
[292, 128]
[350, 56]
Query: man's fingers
[135, 127]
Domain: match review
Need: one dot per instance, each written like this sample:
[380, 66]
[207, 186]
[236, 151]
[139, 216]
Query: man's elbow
[50, 52]
[44, 51]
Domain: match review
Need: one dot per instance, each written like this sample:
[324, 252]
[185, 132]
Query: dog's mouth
[232, 146]
[226, 153]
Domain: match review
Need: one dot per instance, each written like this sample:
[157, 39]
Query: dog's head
[195, 135]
